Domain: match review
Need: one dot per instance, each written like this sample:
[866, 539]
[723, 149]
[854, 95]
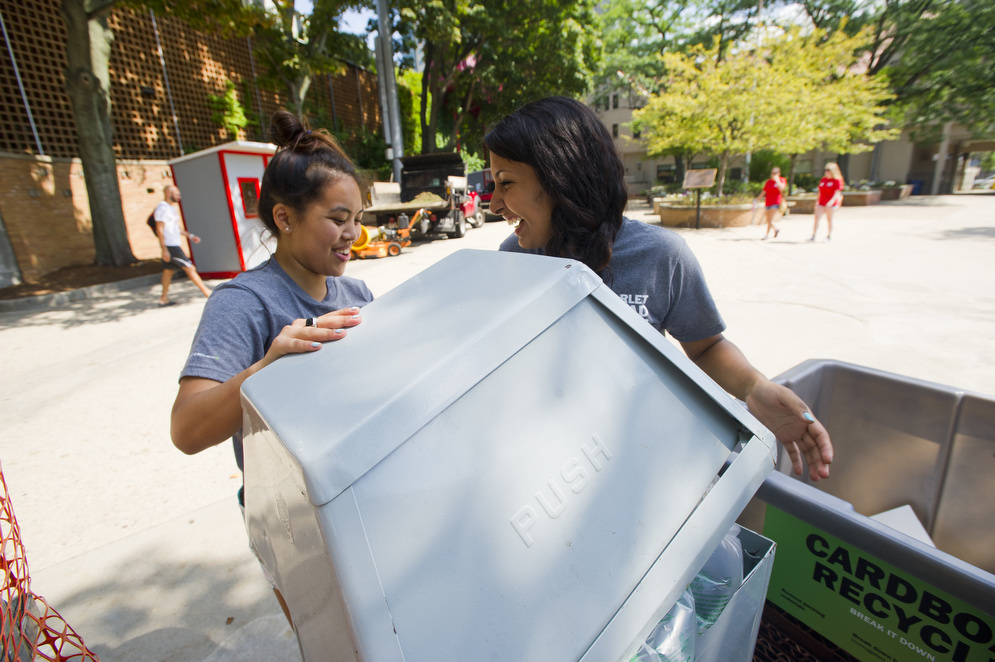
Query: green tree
[946, 71]
[227, 111]
[295, 48]
[722, 107]
[833, 105]
[801, 92]
[88, 48]
[481, 62]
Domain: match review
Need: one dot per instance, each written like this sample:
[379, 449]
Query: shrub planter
[861, 198]
[803, 203]
[712, 216]
[897, 192]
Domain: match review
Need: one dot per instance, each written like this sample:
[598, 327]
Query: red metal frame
[241, 190]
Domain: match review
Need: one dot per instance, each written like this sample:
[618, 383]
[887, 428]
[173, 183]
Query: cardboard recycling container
[503, 462]
[891, 558]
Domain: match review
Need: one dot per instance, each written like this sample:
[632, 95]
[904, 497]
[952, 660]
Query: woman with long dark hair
[559, 178]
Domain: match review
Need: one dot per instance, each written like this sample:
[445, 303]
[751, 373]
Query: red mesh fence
[31, 629]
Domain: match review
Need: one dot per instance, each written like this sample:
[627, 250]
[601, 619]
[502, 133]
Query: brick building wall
[46, 211]
[47, 215]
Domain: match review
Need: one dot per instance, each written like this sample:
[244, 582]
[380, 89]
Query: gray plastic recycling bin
[892, 556]
[503, 462]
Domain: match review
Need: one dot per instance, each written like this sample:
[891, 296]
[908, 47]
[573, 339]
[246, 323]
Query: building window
[636, 133]
[666, 173]
[735, 174]
[614, 101]
[614, 130]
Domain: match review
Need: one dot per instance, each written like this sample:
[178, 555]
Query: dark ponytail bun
[305, 163]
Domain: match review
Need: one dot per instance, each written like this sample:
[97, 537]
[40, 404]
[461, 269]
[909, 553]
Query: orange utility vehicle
[386, 240]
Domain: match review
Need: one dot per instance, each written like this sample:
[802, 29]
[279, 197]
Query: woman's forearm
[207, 412]
[728, 367]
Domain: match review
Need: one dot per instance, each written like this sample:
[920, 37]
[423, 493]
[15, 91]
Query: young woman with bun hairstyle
[311, 200]
[559, 178]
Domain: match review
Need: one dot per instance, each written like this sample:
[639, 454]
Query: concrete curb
[92, 292]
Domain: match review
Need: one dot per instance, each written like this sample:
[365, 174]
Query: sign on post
[699, 179]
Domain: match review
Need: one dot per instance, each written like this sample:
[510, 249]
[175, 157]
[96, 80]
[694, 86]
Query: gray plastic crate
[898, 442]
[503, 462]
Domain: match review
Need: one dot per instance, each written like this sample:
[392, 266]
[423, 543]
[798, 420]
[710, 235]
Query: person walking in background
[830, 197]
[773, 193]
[560, 179]
[167, 228]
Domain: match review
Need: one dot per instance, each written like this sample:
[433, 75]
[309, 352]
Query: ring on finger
[309, 322]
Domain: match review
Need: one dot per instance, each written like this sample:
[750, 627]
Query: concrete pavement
[142, 549]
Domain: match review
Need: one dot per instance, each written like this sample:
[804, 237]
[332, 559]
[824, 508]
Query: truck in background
[482, 182]
[434, 184]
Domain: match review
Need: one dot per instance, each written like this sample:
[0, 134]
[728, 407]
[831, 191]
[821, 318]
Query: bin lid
[421, 346]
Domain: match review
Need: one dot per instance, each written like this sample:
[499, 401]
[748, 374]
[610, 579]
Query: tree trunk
[87, 83]
[723, 166]
[791, 174]
[679, 168]
[843, 161]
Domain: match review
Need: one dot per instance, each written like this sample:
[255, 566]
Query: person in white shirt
[167, 227]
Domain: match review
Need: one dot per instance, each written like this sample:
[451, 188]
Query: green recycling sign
[867, 607]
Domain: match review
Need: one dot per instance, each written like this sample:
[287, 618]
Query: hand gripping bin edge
[537, 478]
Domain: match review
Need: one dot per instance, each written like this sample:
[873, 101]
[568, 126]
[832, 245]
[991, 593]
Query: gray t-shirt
[243, 316]
[655, 272]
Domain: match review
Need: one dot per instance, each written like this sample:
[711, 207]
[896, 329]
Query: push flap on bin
[504, 461]
[419, 348]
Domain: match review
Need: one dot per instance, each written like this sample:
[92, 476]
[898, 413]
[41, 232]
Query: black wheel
[393, 250]
[460, 221]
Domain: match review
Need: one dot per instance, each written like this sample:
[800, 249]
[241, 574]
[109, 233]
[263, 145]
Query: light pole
[386, 52]
[760, 9]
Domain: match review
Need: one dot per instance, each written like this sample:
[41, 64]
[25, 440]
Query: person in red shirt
[773, 193]
[830, 197]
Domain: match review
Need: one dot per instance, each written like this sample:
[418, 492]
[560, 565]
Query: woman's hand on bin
[300, 336]
[207, 412]
[791, 421]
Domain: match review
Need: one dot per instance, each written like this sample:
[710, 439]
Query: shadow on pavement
[969, 233]
[146, 600]
[111, 307]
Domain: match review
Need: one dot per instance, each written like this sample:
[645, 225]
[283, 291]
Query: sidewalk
[142, 549]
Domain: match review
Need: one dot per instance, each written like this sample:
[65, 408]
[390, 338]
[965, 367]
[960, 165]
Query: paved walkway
[142, 548]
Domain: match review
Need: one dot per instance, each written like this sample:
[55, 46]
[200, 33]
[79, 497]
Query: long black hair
[575, 159]
[305, 163]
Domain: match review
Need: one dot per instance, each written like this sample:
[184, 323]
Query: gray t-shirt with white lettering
[243, 316]
[655, 272]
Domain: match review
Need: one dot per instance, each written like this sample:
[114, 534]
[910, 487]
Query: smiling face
[519, 197]
[318, 240]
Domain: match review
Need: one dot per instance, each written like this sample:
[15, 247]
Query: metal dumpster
[503, 462]
[891, 558]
